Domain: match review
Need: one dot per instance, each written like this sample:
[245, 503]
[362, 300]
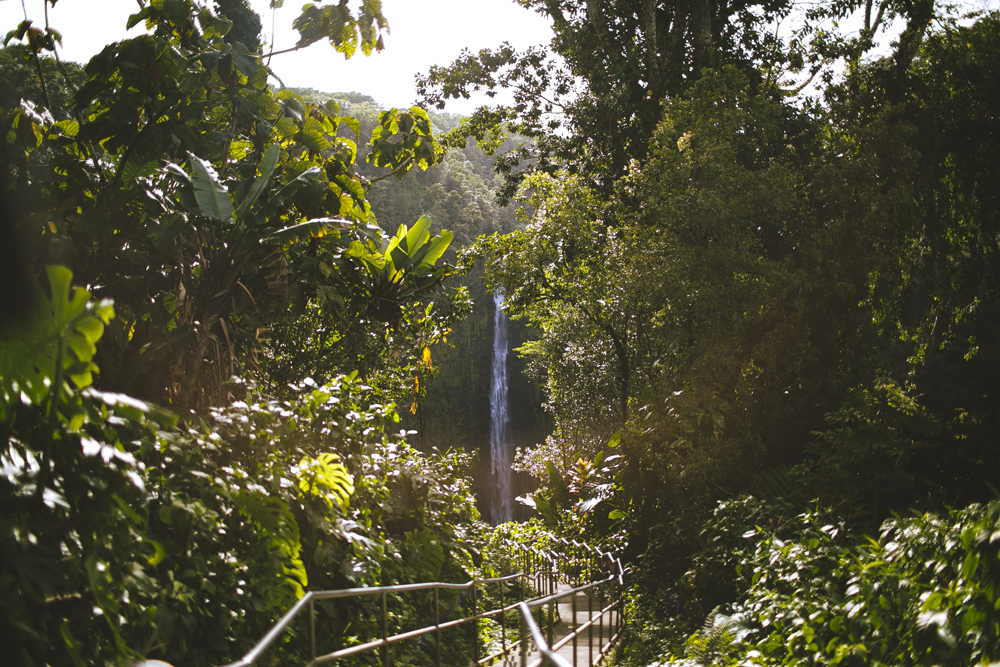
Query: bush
[927, 592]
[124, 535]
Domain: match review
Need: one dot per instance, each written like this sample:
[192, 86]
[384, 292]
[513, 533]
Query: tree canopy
[766, 326]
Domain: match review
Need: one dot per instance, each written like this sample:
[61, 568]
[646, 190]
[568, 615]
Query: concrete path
[589, 641]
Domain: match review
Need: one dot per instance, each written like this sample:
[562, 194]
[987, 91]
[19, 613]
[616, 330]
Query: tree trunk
[652, 48]
[701, 15]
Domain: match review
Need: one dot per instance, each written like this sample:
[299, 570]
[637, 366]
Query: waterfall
[500, 454]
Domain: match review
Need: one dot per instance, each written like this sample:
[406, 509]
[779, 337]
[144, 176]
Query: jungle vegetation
[762, 269]
[758, 271]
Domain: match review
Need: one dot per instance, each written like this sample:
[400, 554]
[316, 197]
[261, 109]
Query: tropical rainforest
[752, 249]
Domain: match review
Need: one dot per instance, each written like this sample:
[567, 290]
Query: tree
[939, 304]
[583, 286]
[595, 109]
[196, 197]
[628, 55]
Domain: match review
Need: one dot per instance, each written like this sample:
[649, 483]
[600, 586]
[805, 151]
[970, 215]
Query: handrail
[548, 572]
[549, 652]
[255, 653]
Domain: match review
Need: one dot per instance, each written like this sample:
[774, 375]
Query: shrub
[927, 592]
[124, 535]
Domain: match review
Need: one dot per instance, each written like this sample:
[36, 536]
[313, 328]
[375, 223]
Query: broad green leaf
[400, 261]
[313, 139]
[437, 247]
[212, 198]
[59, 281]
[417, 235]
[286, 127]
[69, 127]
[316, 228]
[354, 124]
[267, 166]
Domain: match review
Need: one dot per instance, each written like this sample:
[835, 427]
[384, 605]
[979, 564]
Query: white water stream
[500, 454]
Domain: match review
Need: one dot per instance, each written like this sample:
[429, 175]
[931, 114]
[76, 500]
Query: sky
[422, 33]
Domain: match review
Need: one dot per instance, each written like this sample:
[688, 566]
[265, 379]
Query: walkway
[587, 649]
[585, 625]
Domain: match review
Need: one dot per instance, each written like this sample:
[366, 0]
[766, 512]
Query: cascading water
[499, 425]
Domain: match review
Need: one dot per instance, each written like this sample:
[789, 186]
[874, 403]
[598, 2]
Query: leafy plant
[70, 479]
[200, 200]
[126, 536]
[924, 593]
[403, 267]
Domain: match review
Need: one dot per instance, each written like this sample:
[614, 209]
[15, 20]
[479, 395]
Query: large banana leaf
[417, 235]
[211, 196]
[316, 228]
[267, 166]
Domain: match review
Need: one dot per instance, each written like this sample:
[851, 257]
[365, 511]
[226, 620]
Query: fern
[708, 645]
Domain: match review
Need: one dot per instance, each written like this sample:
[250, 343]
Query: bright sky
[422, 33]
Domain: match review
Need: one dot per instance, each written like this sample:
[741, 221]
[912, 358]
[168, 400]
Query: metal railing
[542, 568]
[547, 649]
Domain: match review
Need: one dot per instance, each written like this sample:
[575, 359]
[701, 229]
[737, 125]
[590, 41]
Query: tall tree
[591, 100]
[596, 109]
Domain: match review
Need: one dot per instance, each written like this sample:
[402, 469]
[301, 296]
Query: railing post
[614, 611]
[552, 607]
[385, 631]
[618, 609]
[503, 623]
[437, 631]
[524, 640]
[475, 624]
[600, 622]
[312, 630]
[590, 625]
[616, 615]
[574, 630]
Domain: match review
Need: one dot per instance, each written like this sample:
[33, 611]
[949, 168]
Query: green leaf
[417, 235]
[159, 553]
[436, 248]
[73, 645]
[267, 166]
[316, 228]
[969, 565]
[211, 196]
[313, 139]
[60, 279]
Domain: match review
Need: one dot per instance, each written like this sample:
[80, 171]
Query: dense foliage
[230, 202]
[810, 592]
[204, 210]
[126, 535]
[742, 289]
[760, 298]
[735, 289]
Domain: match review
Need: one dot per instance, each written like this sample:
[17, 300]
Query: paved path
[588, 642]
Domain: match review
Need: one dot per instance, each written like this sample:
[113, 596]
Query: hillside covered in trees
[756, 273]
